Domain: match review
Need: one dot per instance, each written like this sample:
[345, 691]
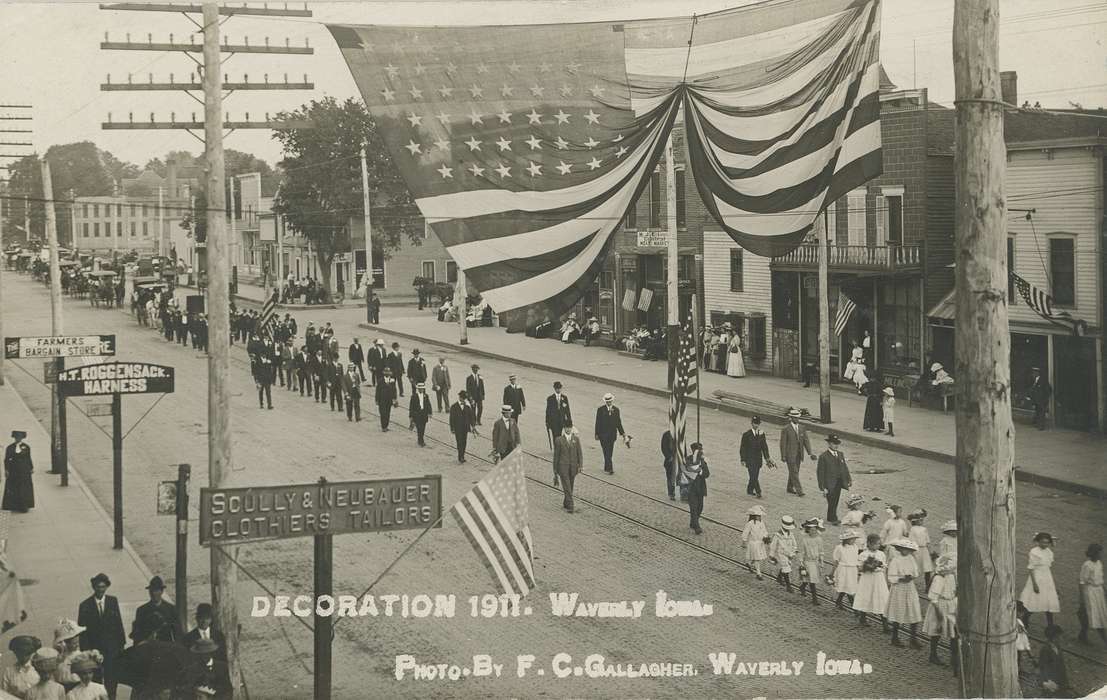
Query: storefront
[642, 291]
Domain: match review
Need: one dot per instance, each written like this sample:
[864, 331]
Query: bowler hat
[833, 439]
[156, 584]
[101, 578]
[204, 610]
[557, 385]
[463, 394]
[787, 522]
[204, 646]
[755, 419]
[19, 434]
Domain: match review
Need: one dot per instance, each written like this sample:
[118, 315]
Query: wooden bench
[760, 406]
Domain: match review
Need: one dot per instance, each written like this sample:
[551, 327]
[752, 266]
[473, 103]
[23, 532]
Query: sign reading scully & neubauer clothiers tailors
[116, 378]
[238, 515]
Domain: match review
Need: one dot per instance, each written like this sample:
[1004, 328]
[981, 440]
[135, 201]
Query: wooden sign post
[231, 516]
[115, 379]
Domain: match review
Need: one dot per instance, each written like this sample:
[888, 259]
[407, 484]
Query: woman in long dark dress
[874, 411]
[19, 491]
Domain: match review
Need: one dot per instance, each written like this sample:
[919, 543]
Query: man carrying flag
[685, 379]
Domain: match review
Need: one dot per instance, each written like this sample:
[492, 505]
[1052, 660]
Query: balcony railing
[861, 257]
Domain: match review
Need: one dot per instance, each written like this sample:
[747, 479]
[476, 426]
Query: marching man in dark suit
[315, 374]
[395, 362]
[568, 460]
[474, 387]
[351, 387]
[386, 397]
[334, 377]
[557, 415]
[609, 426]
[440, 381]
[833, 475]
[793, 443]
[505, 434]
[357, 357]
[753, 452]
[1039, 396]
[99, 615]
[156, 619]
[462, 422]
[513, 396]
[375, 360]
[204, 630]
[264, 373]
[416, 369]
[420, 410]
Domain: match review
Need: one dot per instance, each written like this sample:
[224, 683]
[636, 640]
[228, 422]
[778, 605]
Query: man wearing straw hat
[505, 434]
[793, 444]
[833, 475]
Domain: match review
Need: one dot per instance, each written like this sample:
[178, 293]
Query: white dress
[920, 536]
[735, 361]
[1091, 594]
[845, 575]
[872, 587]
[754, 536]
[1045, 600]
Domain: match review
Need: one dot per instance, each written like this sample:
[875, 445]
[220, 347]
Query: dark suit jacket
[505, 439]
[334, 375]
[386, 392]
[753, 449]
[568, 454]
[375, 358]
[462, 418]
[699, 486]
[1039, 392]
[419, 407]
[351, 385]
[170, 631]
[832, 471]
[356, 354]
[416, 370]
[609, 424]
[102, 632]
[558, 412]
[474, 387]
[793, 445]
[668, 449]
[513, 396]
[395, 362]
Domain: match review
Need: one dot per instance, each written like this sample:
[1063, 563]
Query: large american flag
[495, 518]
[685, 376]
[267, 316]
[1042, 304]
[524, 146]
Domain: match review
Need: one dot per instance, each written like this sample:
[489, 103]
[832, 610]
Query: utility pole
[233, 240]
[163, 248]
[57, 406]
[824, 323]
[223, 573]
[3, 264]
[985, 435]
[672, 282]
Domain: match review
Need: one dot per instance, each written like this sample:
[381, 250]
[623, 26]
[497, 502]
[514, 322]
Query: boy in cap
[420, 410]
[156, 619]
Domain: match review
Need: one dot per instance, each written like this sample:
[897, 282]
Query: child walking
[941, 615]
[894, 528]
[755, 538]
[854, 518]
[1040, 594]
[846, 561]
[921, 537]
[872, 587]
[1093, 606]
[781, 550]
[903, 597]
[889, 404]
[811, 557]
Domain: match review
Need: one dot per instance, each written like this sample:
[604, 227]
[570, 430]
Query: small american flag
[267, 316]
[845, 310]
[495, 518]
[685, 377]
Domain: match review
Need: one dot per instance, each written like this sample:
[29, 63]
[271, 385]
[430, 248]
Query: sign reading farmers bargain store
[116, 378]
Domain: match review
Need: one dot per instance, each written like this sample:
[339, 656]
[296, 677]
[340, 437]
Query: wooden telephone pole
[985, 435]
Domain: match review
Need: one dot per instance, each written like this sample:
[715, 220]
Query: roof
[1020, 126]
[885, 81]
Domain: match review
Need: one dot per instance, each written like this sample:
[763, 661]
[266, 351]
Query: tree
[321, 189]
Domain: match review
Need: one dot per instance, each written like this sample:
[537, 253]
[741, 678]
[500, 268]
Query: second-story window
[736, 271]
[1062, 271]
[855, 203]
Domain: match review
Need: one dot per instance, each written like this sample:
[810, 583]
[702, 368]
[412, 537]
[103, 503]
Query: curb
[909, 450]
[311, 307]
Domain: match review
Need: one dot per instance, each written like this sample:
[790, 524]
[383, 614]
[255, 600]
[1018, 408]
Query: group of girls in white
[877, 574]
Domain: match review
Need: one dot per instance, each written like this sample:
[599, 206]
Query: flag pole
[672, 268]
[695, 344]
[824, 323]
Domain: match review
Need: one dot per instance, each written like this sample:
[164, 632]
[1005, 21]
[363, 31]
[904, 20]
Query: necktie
[100, 605]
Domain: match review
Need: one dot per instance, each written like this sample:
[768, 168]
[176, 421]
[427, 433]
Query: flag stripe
[846, 307]
[491, 534]
[472, 529]
[512, 545]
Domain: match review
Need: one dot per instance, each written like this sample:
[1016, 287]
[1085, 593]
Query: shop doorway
[1074, 390]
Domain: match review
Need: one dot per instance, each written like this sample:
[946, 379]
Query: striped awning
[944, 309]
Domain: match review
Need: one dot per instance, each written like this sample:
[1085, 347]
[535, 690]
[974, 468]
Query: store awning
[944, 309]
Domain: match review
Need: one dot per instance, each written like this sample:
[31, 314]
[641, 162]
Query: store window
[119, 210]
[898, 334]
[1062, 271]
[893, 218]
[119, 229]
[132, 229]
[84, 208]
[736, 271]
[145, 229]
[655, 201]
[631, 222]
[132, 210]
[96, 210]
[144, 210]
[755, 336]
[451, 272]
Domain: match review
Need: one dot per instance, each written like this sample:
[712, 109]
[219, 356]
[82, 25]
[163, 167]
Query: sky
[50, 57]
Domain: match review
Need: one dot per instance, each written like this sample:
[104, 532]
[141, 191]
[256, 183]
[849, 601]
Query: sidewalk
[63, 542]
[255, 293]
[1063, 459]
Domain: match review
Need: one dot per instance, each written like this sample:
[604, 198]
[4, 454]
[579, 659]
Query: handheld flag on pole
[495, 518]
[685, 382]
[267, 316]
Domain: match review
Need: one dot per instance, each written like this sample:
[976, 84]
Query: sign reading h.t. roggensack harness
[116, 378]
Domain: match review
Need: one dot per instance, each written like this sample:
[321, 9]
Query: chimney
[171, 178]
[1009, 86]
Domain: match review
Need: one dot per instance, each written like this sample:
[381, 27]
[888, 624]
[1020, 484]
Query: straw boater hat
[855, 499]
[816, 523]
[849, 534]
[904, 543]
[787, 522]
[949, 526]
[889, 391]
[66, 629]
[609, 396]
[507, 408]
[756, 510]
[204, 646]
[794, 412]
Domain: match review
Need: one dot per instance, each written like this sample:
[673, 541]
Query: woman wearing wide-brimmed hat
[67, 642]
[19, 490]
[85, 665]
[735, 359]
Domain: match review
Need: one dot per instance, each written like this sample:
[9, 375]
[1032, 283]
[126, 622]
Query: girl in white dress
[895, 528]
[903, 598]
[921, 537]
[854, 517]
[889, 406]
[735, 360]
[1093, 606]
[846, 561]
[782, 549]
[811, 557]
[872, 587]
[755, 538]
[1040, 594]
[940, 621]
